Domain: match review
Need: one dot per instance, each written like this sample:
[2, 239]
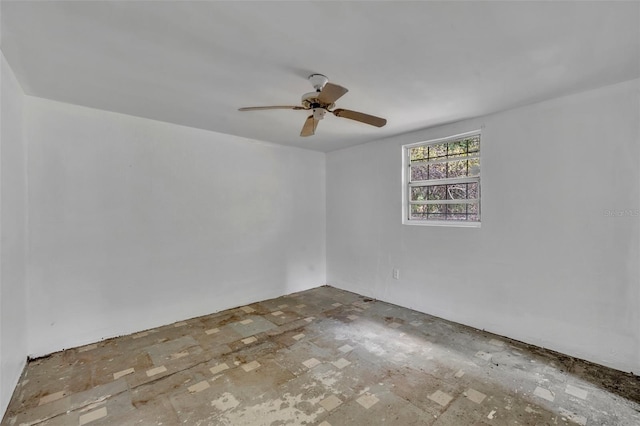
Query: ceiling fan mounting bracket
[318, 81]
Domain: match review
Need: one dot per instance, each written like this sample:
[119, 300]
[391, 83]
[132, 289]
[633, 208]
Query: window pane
[457, 191]
[457, 168]
[434, 192]
[436, 208]
[419, 212]
[474, 144]
[419, 193]
[437, 192]
[472, 190]
[457, 208]
[457, 212]
[438, 171]
[418, 153]
[419, 172]
[474, 167]
[437, 216]
[437, 150]
[458, 147]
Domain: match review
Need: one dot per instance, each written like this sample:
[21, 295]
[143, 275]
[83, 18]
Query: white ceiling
[418, 64]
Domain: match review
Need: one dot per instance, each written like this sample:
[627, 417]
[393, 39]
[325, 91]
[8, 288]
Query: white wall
[547, 266]
[136, 223]
[13, 214]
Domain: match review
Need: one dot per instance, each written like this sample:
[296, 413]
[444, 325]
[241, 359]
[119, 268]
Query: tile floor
[320, 357]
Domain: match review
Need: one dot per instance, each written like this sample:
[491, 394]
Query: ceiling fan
[322, 101]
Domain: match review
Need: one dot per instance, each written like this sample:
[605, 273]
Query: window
[441, 181]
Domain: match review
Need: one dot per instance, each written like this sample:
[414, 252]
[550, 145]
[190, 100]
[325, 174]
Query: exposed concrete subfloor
[322, 357]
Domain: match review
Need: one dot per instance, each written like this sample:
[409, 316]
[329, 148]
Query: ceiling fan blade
[331, 93]
[270, 107]
[359, 116]
[309, 127]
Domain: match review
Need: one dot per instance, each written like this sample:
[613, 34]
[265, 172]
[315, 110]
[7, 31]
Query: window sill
[442, 223]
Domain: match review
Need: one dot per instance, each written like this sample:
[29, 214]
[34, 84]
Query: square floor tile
[576, 391]
[93, 416]
[219, 368]
[250, 366]
[441, 398]
[51, 397]
[341, 363]
[475, 396]
[311, 362]
[345, 348]
[544, 394]
[330, 402]
[156, 371]
[199, 387]
[122, 373]
[367, 400]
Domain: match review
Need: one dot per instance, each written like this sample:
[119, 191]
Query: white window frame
[407, 184]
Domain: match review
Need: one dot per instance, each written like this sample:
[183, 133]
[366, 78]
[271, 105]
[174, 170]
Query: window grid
[443, 180]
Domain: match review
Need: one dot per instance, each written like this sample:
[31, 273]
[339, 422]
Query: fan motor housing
[310, 100]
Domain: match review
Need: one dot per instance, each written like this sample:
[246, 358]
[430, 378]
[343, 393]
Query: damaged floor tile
[51, 397]
[250, 366]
